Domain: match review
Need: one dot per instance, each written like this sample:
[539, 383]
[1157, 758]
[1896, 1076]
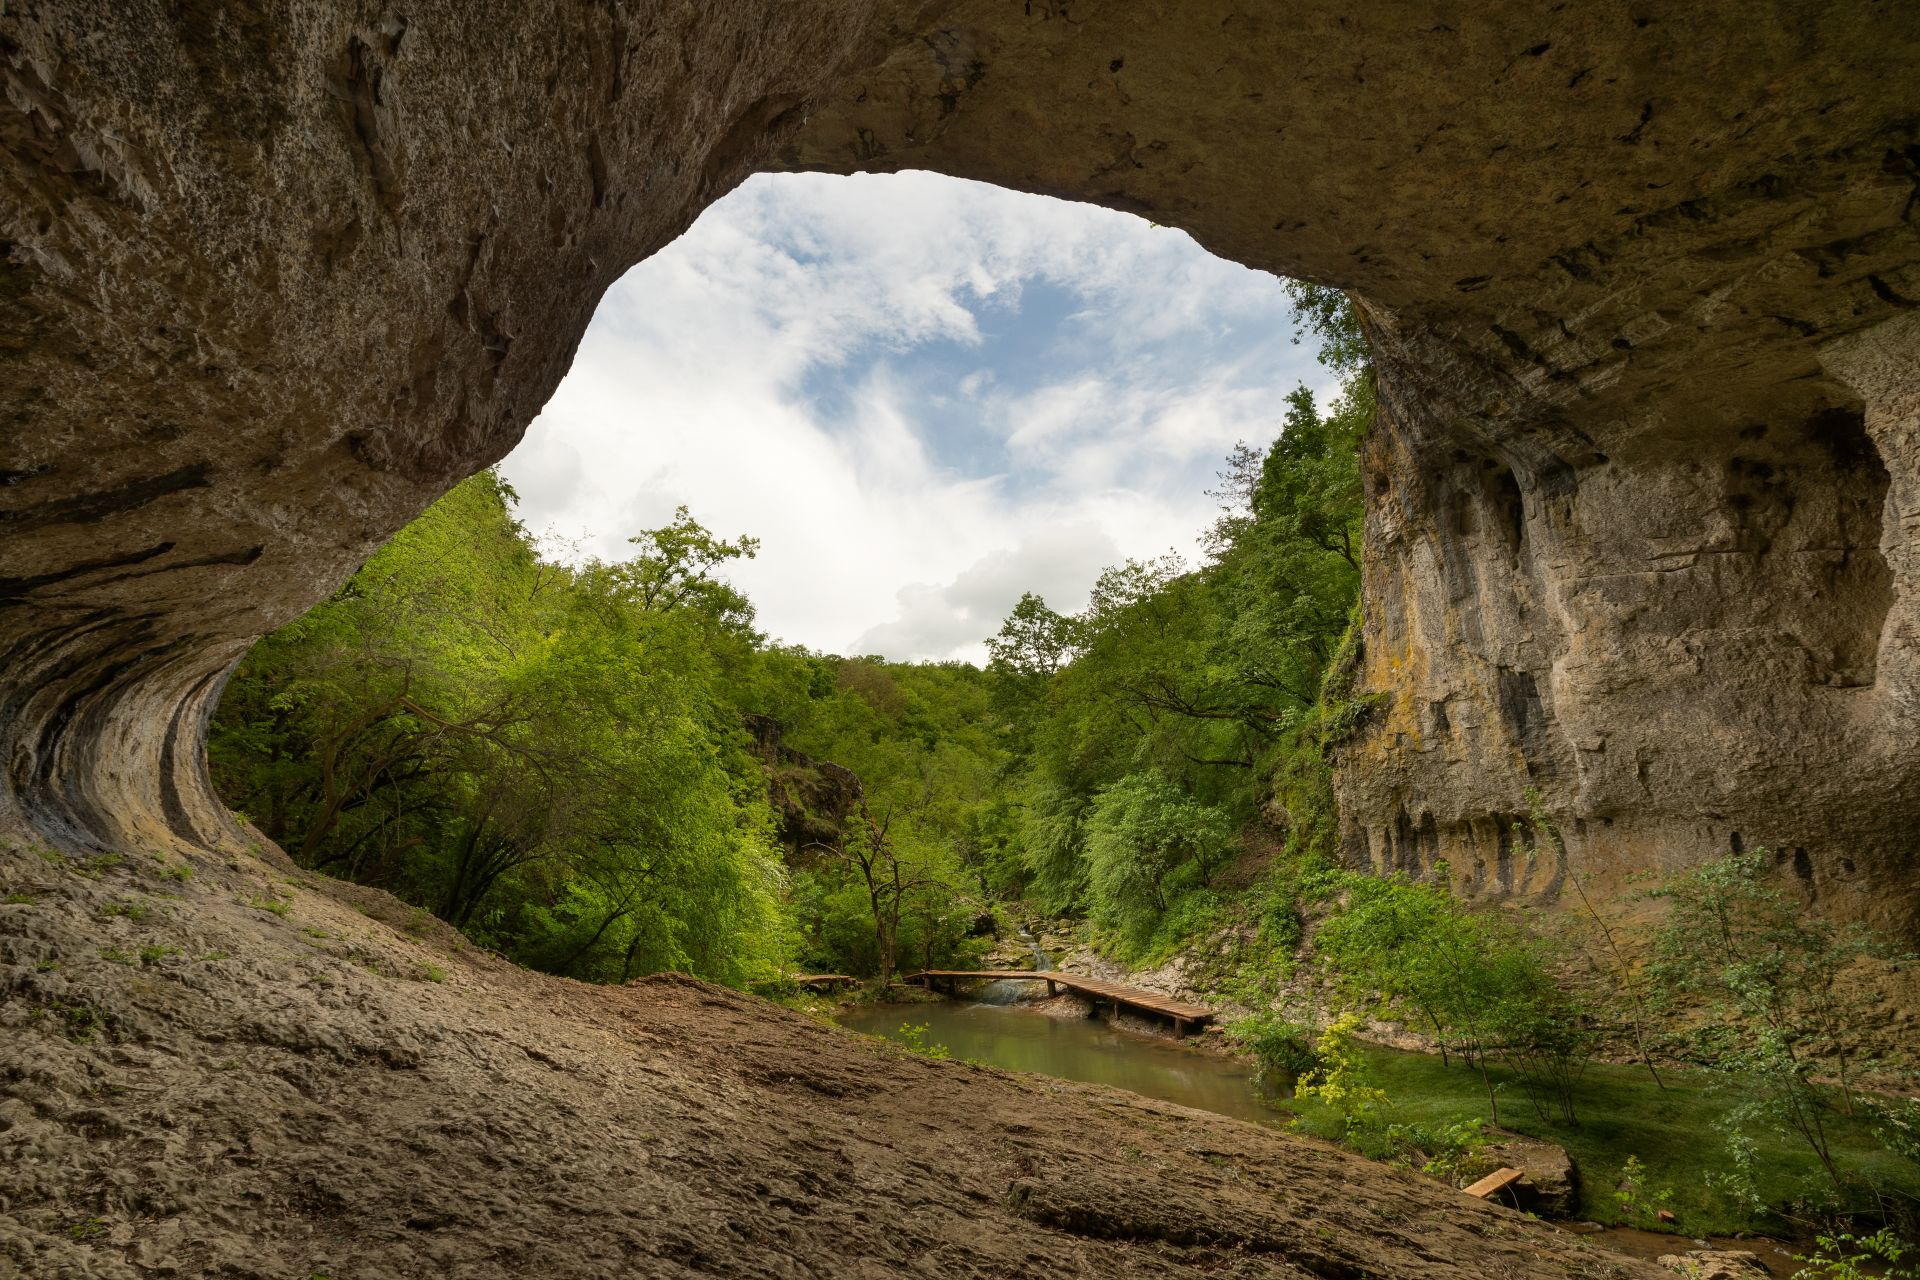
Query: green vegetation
[1477, 981]
[914, 1037]
[1184, 705]
[605, 771]
[1670, 1134]
[1850, 1257]
[1766, 1132]
[79, 1022]
[1772, 979]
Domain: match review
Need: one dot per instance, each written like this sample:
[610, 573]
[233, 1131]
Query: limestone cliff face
[1691, 630]
[1646, 487]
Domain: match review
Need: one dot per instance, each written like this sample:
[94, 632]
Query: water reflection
[1076, 1049]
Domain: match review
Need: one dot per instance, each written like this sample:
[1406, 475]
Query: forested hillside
[604, 770]
[1149, 733]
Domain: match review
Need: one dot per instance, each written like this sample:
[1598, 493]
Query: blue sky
[924, 396]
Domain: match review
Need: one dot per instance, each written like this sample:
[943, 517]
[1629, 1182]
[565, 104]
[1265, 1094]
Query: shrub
[914, 1037]
[1770, 976]
[1477, 981]
[1340, 1079]
[1848, 1257]
[1282, 1047]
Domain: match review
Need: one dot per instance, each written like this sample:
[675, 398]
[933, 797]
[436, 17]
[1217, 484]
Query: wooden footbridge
[1186, 1018]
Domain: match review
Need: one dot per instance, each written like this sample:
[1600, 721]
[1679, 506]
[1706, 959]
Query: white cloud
[855, 370]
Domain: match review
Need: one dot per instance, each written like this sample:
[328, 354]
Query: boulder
[1549, 1186]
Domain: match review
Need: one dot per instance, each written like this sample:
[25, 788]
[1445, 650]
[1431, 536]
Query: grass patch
[268, 902]
[1672, 1135]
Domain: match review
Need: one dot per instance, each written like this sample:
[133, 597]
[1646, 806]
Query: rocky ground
[227, 1068]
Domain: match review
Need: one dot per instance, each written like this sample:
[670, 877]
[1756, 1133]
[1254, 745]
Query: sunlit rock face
[1645, 489]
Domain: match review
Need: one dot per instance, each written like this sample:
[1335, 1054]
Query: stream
[1089, 1050]
[1081, 1049]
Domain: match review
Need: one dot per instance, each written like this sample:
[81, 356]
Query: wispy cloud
[923, 395]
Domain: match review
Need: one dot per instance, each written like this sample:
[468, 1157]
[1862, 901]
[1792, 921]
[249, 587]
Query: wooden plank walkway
[827, 980]
[1185, 1017]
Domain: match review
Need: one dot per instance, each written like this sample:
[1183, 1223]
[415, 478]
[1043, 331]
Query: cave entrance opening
[923, 395]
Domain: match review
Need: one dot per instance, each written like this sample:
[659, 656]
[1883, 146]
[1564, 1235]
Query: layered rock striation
[1641, 282]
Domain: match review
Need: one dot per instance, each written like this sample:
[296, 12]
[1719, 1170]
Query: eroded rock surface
[251, 1072]
[1646, 486]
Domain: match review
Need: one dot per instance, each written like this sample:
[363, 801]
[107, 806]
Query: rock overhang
[278, 275]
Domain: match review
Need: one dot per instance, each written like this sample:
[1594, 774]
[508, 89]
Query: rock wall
[1641, 284]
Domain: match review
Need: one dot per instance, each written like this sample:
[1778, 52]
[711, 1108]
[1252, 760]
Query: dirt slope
[192, 1084]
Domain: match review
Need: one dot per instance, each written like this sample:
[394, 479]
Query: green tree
[545, 758]
[1146, 840]
[1477, 981]
[1771, 978]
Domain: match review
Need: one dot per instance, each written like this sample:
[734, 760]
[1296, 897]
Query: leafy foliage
[554, 760]
[1185, 703]
[539, 756]
[1480, 983]
[1773, 981]
[1146, 840]
[1340, 1078]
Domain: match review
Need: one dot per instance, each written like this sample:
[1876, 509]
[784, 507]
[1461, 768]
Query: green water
[1076, 1049]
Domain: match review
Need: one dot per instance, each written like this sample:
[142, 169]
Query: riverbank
[1641, 1147]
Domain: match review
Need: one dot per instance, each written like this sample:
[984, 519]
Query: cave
[1641, 288]
[274, 279]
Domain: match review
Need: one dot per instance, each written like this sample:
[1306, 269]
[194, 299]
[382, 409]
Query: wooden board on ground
[1498, 1180]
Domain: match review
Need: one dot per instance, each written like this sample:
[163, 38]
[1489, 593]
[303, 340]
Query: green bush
[1771, 979]
[1476, 981]
[1282, 1047]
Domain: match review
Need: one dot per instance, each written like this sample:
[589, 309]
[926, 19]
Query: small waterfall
[1008, 990]
[1041, 960]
